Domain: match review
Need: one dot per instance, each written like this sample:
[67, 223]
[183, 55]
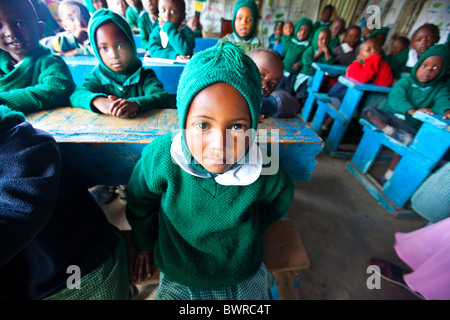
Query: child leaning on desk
[172, 38]
[119, 85]
[198, 201]
[31, 77]
[423, 90]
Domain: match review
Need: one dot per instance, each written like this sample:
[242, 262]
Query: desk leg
[315, 87]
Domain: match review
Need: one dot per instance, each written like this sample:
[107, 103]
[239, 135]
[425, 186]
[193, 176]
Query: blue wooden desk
[204, 43]
[418, 161]
[168, 74]
[105, 149]
[343, 115]
[322, 70]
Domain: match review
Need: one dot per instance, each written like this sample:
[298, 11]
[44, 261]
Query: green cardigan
[143, 87]
[204, 235]
[180, 42]
[41, 81]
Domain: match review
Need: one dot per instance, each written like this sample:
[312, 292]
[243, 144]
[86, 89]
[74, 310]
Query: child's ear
[41, 27]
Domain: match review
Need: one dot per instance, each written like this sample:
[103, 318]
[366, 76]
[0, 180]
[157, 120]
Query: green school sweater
[246, 45]
[145, 28]
[143, 87]
[398, 63]
[292, 53]
[204, 235]
[308, 59]
[180, 42]
[41, 81]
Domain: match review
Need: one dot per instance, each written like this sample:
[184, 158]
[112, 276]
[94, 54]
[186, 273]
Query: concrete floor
[342, 227]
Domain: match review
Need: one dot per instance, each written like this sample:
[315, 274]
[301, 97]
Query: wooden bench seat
[284, 253]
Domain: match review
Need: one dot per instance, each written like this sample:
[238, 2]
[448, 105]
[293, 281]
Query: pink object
[427, 252]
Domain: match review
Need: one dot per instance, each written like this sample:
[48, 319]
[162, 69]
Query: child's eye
[173, 12]
[436, 68]
[21, 24]
[249, 19]
[238, 127]
[201, 126]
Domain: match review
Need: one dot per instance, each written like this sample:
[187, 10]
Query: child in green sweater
[172, 38]
[199, 200]
[244, 23]
[119, 85]
[148, 21]
[423, 90]
[31, 77]
[132, 14]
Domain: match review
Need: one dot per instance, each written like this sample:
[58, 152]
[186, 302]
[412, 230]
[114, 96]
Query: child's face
[72, 19]
[170, 11]
[216, 127]
[336, 28]
[324, 38]
[271, 72]
[288, 29]
[423, 39]
[151, 6]
[429, 69]
[303, 33]
[368, 48]
[118, 6]
[19, 29]
[278, 30]
[352, 37]
[326, 14]
[99, 4]
[193, 23]
[114, 47]
[243, 21]
[397, 46]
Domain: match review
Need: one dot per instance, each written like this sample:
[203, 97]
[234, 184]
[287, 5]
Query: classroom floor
[342, 227]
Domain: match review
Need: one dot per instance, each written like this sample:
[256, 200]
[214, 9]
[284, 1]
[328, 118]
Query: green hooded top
[294, 49]
[204, 234]
[135, 83]
[408, 93]
[308, 55]
[250, 41]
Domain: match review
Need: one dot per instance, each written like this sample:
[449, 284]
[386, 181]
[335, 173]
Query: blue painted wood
[322, 69]
[168, 74]
[104, 149]
[418, 161]
[204, 43]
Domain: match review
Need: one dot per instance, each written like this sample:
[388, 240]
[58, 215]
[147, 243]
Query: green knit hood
[101, 17]
[441, 50]
[316, 37]
[224, 62]
[251, 4]
[9, 118]
[383, 30]
[301, 22]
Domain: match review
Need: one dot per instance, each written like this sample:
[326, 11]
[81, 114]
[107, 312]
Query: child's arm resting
[183, 42]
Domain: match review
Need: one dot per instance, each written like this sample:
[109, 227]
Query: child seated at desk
[293, 52]
[275, 37]
[423, 90]
[328, 12]
[171, 39]
[50, 224]
[369, 66]
[345, 53]
[118, 6]
[119, 85]
[337, 28]
[31, 77]
[196, 202]
[74, 40]
[277, 103]
[195, 25]
[148, 21]
[398, 44]
[288, 33]
[244, 23]
[132, 14]
[422, 39]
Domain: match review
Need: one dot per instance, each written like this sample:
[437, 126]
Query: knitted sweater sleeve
[53, 87]
[398, 100]
[183, 42]
[29, 177]
[83, 96]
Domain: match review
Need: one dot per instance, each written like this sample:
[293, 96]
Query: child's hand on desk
[123, 108]
[447, 114]
[183, 58]
[140, 265]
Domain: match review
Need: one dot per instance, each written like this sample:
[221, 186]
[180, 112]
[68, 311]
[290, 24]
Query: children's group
[196, 204]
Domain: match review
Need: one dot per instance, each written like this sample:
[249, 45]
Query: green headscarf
[101, 17]
[441, 50]
[301, 22]
[250, 4]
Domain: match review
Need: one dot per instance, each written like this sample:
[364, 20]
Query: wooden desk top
[75, 125]
[332, 69]
[363, 86]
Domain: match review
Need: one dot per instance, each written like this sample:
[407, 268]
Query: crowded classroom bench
[421, 157]
[105, 149]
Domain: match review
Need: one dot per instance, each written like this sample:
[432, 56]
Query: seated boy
[423, 90]
[195, 25]
[244, 23]
[119, 85]
[132, 14]
[277, 103]
[94, 5]
[337, 28]
[31, 77]
[422, 39]
[171, 39]
[74, 40]
[325, 20]
[148, 20]
[118, 6]
[398, 44]
[346, 52]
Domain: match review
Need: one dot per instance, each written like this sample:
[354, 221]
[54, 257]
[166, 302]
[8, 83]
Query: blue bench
[322, 70]
[344, 114]
[418, 161]
[168, 74]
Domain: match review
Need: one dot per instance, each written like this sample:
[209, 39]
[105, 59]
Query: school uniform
[137, 83]
[146, 25]
[132, 16]
[344, 54]
[66, 41]
[40, 81]
[169, 41]
[403, 62]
